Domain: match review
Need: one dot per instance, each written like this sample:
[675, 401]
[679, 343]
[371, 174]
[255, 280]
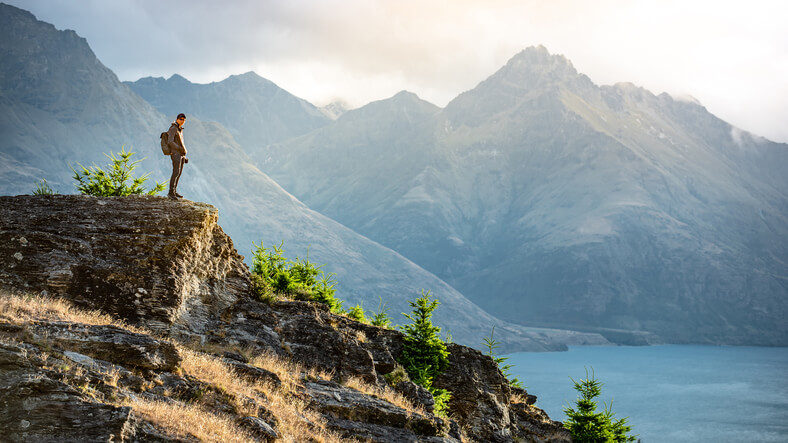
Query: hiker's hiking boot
[178, 195]
[172, 196]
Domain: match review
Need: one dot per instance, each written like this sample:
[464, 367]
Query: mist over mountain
[255, 110]
[61, 106]
[549, 200]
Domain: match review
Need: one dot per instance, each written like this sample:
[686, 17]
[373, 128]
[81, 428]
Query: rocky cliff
[131, 319]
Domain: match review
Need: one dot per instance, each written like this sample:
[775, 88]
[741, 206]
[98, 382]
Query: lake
[672, 393]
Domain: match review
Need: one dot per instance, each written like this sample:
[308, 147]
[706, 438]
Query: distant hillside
[552, 201]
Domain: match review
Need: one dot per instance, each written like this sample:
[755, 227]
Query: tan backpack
[165, 143]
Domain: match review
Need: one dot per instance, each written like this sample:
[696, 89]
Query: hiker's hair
[181, 115]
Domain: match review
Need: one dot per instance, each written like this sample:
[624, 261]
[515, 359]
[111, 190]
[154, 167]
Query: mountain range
[60, 106]
[547, 200]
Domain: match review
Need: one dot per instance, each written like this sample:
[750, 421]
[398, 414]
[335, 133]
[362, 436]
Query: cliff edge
[113, 307]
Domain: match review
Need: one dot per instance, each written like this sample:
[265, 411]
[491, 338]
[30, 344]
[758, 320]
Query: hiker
[177, 153]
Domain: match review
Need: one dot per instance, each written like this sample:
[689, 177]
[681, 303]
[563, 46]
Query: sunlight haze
[732, 56]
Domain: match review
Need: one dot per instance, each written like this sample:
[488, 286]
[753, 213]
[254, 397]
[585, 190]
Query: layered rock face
[143, 259]
[168, 267]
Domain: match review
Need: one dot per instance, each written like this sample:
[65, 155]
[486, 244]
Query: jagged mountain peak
[403, 103]
[535, 67]
[531, 73]
[250, 79]
[36, 55]
[402, 97]
[178, 79]
[247, 75]
[12, 17]
[539, 55]
[335, 109]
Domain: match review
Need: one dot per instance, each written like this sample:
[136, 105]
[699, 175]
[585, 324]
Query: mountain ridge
[255, 110]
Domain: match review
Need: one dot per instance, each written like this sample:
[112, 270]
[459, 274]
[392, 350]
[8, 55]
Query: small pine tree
[323, 292]
[424, 349]
[424, 354]
[357, 313]
[381, 317]
[115, 181]
[43, 188]
[299, 279]
[491, 344]
[588, 425]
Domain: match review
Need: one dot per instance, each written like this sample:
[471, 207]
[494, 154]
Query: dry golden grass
[517, 398]
[211, 370]
[183, 420]
[17, 309]
[296, 423]
[290, 411]
[292, 414]
[387, 394]
[290, 373]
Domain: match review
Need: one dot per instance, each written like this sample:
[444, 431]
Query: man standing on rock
[177, 153]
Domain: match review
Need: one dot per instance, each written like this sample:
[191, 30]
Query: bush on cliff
[43, 188]
[273, 274]
[424, 354]
[117, 181]
[491, 344]
[357, 314]
[588, 425]
[381, 317]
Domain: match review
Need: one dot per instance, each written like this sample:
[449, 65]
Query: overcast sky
[732, 56]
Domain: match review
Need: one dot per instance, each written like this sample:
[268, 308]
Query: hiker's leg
[177, 167]
[180, 171]
[178, 178]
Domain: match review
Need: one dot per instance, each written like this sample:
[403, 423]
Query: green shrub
[115, 181]
[323, 292]
[424, 354]
[357, 313]
[298, 280]
[381, 317]
[262, 289]
[43, 188]
[589, 426]
[396, 376]
[492, 345]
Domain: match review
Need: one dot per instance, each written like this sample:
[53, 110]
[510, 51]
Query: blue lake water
[672, 393]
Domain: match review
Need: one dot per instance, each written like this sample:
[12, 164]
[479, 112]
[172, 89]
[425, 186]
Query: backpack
[165, 143]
